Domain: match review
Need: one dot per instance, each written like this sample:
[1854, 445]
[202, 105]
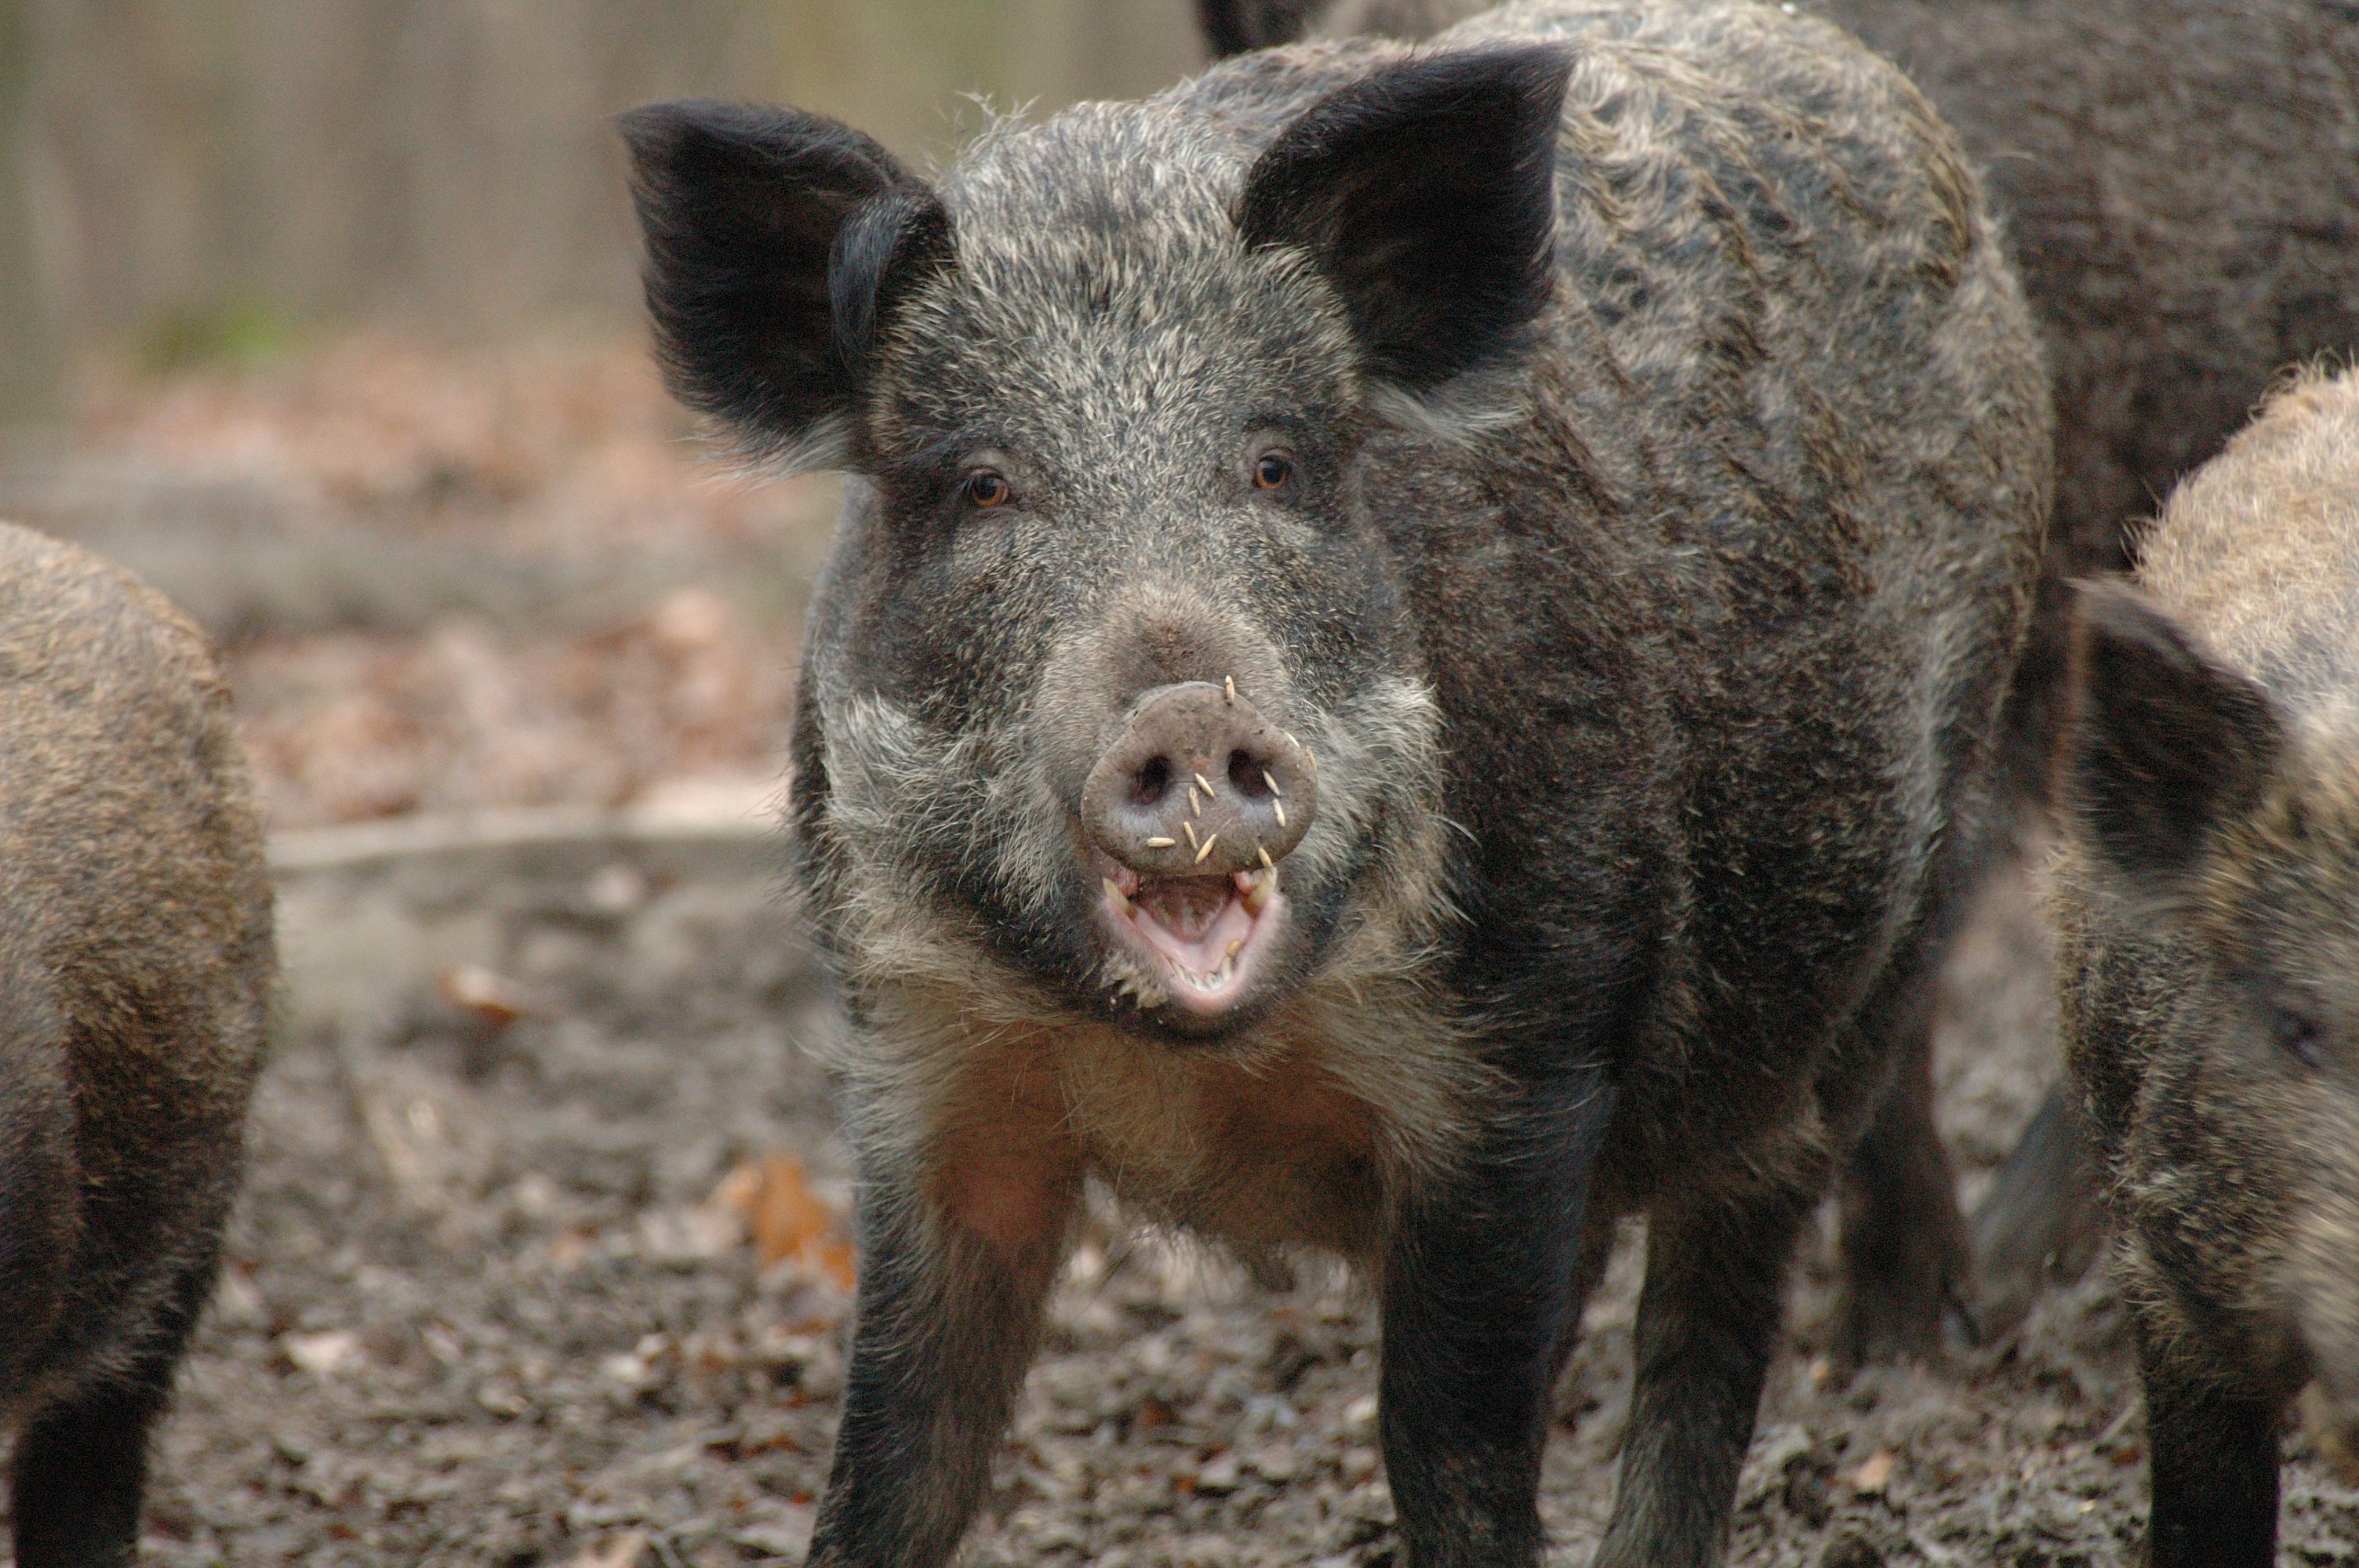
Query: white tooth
[1115, 896]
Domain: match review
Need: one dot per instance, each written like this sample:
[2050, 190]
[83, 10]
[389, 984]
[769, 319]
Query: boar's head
[2225, 821]
[1108, 681]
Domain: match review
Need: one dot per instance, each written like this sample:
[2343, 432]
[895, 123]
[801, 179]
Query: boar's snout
[1199, 784]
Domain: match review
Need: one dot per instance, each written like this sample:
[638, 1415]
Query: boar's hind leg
[1708, 1320]
[81, 1469]
[2213, 1455]
[947, 1318]
[1903, 1246]
[2039, 1223]
[1481, 1287]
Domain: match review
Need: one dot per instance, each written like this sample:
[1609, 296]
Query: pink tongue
[1185, 906]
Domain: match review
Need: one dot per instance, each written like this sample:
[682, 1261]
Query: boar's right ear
[1427, 195]
[776, 242]
[2163, 745]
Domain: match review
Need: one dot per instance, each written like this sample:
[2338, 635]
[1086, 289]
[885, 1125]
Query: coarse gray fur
[1651, 666]
[136, 959]
[2208, 900]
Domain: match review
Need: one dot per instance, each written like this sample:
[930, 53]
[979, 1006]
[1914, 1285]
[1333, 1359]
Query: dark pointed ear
[776, 242]
[1233, 27]
[1427, 195]
[2163, 745]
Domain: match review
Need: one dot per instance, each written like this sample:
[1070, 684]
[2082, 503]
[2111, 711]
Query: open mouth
[1207, 934]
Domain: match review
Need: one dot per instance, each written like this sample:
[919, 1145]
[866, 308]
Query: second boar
[1408, 643]
[2208, 900]
[135, 964]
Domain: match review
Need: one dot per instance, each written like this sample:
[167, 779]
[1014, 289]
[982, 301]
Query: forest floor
[501, 1299]
[558, 1276]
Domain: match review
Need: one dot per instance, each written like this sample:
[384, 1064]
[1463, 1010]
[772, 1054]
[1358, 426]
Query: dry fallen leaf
[321, 1354]
[622, 1551]
[493, 1000]
[787, 1218]
[1875, 1473]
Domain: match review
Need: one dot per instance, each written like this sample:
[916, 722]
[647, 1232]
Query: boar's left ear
[2163, 745]
[776, 242]
[1427, 195]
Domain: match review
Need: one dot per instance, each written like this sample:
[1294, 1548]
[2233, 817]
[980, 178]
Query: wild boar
[136, 963]
[1411, 640]
[2208, 899]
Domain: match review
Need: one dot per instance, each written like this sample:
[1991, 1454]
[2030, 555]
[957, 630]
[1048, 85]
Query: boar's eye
[1274, 471]
[986, 490]
[2298, 1034]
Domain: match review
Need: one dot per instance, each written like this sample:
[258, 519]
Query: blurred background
[323, 317]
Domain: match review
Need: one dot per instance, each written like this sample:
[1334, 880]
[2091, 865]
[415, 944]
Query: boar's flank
[1409, 636]
[2208, 900]
[136, 960]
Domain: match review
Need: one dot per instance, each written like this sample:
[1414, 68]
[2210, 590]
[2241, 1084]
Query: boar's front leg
[1481, 1298]
[2212, 1455]
[1708, 1322]
[959, 1247]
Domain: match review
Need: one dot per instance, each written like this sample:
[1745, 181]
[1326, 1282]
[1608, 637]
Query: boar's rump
[136, 961]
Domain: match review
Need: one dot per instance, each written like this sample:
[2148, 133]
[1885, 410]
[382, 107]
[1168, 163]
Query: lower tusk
[1259, 899]
[1116, 897]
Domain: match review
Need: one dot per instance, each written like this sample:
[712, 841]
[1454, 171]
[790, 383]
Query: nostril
[1247, 776]
[1151, 782]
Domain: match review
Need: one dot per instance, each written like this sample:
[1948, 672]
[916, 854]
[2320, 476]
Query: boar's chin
[1197, 955]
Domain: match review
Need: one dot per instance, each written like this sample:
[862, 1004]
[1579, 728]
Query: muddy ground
[497, 1294]
[488, 1303]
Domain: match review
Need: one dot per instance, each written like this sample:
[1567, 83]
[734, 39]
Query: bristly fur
[1650, 655]
[2208, 902]
[136, 962]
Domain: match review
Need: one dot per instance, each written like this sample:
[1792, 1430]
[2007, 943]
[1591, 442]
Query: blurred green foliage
[188, 179]
[246, 334]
